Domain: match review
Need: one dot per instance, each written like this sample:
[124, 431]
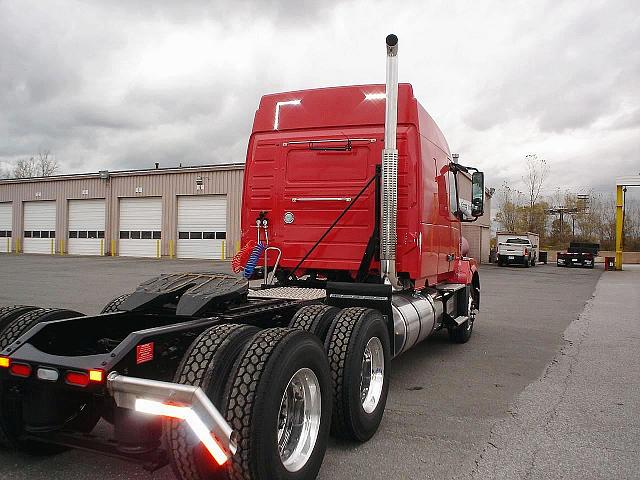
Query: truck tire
[358, 349]
[11, 424]
[10, 312]
[527, 262]
[206, 364]
[113, 305]
[462, 333]
[316, 319]
[278, 400]
[15, 329]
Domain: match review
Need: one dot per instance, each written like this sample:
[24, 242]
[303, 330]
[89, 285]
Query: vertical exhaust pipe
[389, 193]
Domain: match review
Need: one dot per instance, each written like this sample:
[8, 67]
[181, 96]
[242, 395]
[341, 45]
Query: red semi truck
[351, 217]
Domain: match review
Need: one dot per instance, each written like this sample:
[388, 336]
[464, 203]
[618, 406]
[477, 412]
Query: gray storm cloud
[124, 84]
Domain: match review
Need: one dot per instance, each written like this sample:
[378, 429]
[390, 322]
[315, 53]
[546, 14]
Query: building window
[124, 235]
[157, 235]
[183, 235]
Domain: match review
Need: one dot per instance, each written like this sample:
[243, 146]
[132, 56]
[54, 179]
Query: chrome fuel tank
[414, 319]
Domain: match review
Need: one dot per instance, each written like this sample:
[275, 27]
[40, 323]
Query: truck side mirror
[477, 194]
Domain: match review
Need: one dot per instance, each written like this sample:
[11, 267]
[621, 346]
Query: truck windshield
[519, 241]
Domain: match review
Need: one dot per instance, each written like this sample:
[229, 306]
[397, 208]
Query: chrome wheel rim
[372, 375]
[299, 419]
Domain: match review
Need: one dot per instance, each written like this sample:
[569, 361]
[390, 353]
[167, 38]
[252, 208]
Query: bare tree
[537, 170]
[509, 207]
[42, 165]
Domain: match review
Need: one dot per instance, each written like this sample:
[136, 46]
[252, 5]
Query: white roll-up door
[86, 227]
[39, 227]
[202, 226]
[6, 227]
[140, 226]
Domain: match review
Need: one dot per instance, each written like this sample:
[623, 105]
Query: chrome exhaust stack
[182, 402]
[389, 193]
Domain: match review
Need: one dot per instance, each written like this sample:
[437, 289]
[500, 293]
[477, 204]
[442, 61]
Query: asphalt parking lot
[444, 401]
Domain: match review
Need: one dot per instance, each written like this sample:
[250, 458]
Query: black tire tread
[316, 319]
[8, 313]
[193, 371]
[337, 348]
[241, 389]
[24, 322]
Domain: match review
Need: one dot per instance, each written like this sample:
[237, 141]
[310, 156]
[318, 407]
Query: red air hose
[241, 258]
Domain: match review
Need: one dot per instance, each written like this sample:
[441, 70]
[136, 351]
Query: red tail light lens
[79, 379]
[20, 370]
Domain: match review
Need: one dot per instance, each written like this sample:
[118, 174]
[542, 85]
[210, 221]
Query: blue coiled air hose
[250, 267]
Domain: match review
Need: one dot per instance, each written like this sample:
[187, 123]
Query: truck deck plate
[289, 293]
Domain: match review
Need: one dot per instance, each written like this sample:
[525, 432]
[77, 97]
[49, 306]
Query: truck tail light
[526, 252]
[193, 420]
[79, 379]
[5, 362]
[20, 370]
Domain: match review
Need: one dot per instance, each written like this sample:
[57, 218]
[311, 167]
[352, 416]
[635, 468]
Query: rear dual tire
[358, 349]
[263, 382]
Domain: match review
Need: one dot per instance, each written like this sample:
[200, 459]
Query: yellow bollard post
[222, 254]
[8, 245]
[237, 246]
[102, 247]
[619, 222]
[113, 247]
[17, 245]
[52, 248]
[171, 249]
[157, 248]
[62, 246]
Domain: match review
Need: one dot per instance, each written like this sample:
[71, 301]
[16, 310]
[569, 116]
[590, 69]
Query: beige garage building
[185, 212]
[190, 212]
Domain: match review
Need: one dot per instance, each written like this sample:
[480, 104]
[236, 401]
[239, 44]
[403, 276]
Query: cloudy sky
[126, 83]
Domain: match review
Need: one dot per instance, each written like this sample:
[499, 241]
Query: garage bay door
[140, 226]
[202, 226]
[6, 232]
[39, 227]
[86, 227]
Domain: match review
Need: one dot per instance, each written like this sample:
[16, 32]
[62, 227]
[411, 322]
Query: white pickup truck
[518, 248]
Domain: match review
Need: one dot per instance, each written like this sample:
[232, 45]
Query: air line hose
[250, 267]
